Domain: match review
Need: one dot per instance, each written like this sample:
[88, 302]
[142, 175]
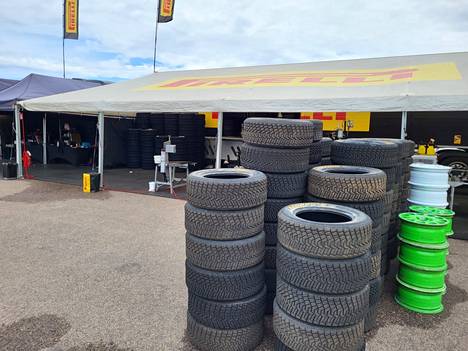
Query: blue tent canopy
[6, 83]
[36, 85]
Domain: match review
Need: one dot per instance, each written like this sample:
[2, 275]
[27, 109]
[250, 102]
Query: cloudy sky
[117, 36]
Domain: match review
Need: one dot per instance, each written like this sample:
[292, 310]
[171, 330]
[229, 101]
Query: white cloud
[224, 33]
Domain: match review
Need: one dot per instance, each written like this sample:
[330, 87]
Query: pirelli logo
[338, 78]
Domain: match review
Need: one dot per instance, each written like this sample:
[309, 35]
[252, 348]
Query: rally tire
[214, 188]
[376, 243]
[229, 255]
[330, 240]
[315, 153]
[322, 309]
[375, 265]
[277, 132]
[208, 339]
[318, 129]
[347, 183]
[321, 275]
[270, 298]
[224, 286]
[274, 160]
[301, 336]
[223, 225]
[370, 321]
[286, 185]
[270, 229]
[375, 290]
[326, 146]
[326, 161]
[273, 206]
[270, 257]
[228, 315]
[270, 279]
[365, 152]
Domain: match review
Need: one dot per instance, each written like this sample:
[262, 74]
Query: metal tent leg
[101, 147]
[19, 151]
[404, 123]
[219, 141]
[44, 139]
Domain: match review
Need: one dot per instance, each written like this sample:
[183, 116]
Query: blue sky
[116, 36]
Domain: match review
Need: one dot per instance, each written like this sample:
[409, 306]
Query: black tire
[315, 153]
[323, 276]
[232, 255]
[277, 132]
[270, 299]
[375, 290]
[408, 148]
[286, 185]
[347, 183]
[271, 229]
[273, 160]
[324, 230]
[318, 129]
[386, 221]
[223, 225]
[392, 248]
[301, 336]
[388, 199]
[364, 152]
[376, 243]
[273, 206]
[326, 147]
[375, 265]
[224, 286]
[391, 177]
[270, 257]
[370, 322]
[209, 339]
[270, 279]
[373, 209]
[279, 346]
[226, 189]
[322, 309]
[227, 315]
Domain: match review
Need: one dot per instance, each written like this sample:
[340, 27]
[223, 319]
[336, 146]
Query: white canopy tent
[436, 82]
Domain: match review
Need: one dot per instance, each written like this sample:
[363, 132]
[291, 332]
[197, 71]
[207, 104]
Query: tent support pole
[44, 139]
[219, 141]
[19, 151]
[404, 123]
[101, 147]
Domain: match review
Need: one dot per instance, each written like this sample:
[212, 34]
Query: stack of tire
[225, 246]
[280, 148]
[157, 123]
[181, 153]
[316, 149]
[159, 141]
[142, 120]
[326, 151]
[323, 277]
[171, 124]
[192, 126]
[147, 148]
[364, 189]
[133, 148]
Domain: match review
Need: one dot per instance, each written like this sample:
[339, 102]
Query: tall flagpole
[156, 36]
[63, 40]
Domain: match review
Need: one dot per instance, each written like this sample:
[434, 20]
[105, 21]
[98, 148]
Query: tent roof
[36, 85]
[6, 83]
[407, 83]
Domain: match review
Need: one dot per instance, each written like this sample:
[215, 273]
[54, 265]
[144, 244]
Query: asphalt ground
[105, 272]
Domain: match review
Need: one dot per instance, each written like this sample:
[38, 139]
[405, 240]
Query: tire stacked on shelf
[157, 123]
[225, 246]
[142, 120]
[323, 277]
[147, 148]
[280, 148]
[326, 151]
[133, 148]
[361, 188]
[171, 124]
[181, 153]
[192, 126]
[316, 149]
[159, 141]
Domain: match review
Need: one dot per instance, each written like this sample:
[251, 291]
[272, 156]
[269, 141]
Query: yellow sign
[86, 183]
[360, 121]
[71, 19]
[338, 78]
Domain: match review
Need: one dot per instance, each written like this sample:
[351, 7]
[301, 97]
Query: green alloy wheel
[435, 211]
[418, 301]
[423, 258]
[425, 281]
[423, 230]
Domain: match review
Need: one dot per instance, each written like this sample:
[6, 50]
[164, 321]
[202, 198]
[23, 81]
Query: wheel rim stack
[281, 149]
[225, 248]
[361, 188]
[323, 275]
[147, 148]
[133, 148]
[429, 185]
[423, 267]
[438, 212]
